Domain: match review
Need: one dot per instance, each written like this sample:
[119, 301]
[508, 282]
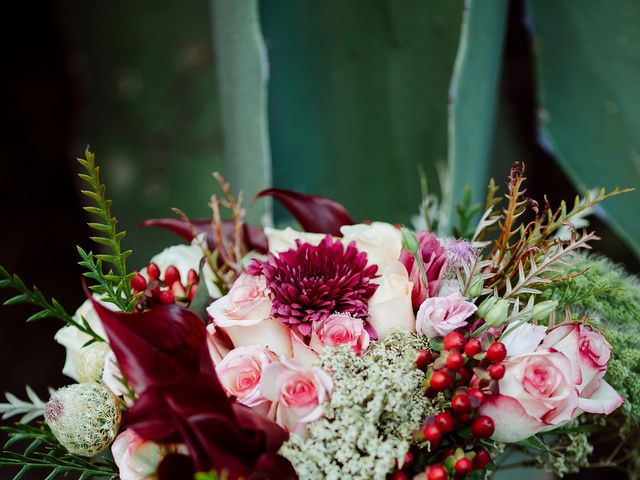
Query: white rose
[73, 339]
[382, 242]
[283, 240]
[390, 306]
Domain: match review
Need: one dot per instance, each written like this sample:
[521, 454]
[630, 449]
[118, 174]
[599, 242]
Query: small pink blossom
[439, 316]
[240, 373]
[298, 394]
[340, 329]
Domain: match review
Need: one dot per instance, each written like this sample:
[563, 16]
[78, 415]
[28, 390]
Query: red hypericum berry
[192, 277]
[436, 472]
[481, 460]
[171, 275]
[439, 381]
[192, 291]
[455, 361]
[432, 433]
[399, 475]
[444, 421]
[408, 459]
[463, 466]
[461, 404]
[496, 352]
[465, 376]
[139, 282]
[454, 341]
[496, 371]
[483, 427]
[178, 290]
[424, 359]
[477, 394]
[473, 347]
[464, 418]
[167, 297]
[153, 271]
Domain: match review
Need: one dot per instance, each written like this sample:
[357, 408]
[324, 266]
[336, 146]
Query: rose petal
[511, 421]
[604, 401]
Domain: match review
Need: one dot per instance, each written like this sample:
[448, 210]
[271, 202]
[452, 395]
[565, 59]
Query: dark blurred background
[138, 82]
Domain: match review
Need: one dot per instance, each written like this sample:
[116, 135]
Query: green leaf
[473, 97]
[201, 299]
[358, 97]
[242, 83]
[535, 443]
[588, 70]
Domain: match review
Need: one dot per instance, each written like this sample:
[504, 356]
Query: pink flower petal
[511, 421]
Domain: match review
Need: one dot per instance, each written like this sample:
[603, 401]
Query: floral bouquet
[342, 351]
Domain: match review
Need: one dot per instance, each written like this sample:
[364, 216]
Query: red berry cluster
[467, 372]
[167, 289]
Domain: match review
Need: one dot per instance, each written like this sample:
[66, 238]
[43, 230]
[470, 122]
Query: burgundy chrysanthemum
[311, 282]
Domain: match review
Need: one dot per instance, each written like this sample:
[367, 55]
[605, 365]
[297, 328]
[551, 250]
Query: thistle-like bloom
[309, 283]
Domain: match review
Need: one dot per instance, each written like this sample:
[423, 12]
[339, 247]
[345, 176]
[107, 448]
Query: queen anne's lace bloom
[377, 403]
[84, 417]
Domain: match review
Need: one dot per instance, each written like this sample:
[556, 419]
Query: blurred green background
[346, 98]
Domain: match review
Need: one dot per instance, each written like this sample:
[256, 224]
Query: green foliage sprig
[114, 285]
[47, 309]
[43, 452]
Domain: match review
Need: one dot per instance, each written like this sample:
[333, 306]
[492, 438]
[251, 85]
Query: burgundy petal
[155, 346]
[175, 465]
[314, 213]
[254, 236]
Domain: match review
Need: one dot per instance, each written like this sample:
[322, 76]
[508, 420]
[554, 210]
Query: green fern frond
[44, 453]
[46, 309]
[114, 284]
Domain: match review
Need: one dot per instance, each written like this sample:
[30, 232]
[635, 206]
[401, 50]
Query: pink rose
[537, 393]
[240, 373]
[340, 329]
[434, 260]
[298, 394]
[589, 354]
[136, 458]
[439, 316]
[245, 316]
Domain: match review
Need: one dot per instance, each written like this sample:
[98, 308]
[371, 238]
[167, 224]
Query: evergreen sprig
[115, 283]
[43, 452]
[46, 309]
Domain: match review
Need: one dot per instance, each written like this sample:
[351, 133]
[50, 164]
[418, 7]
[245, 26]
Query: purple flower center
[309, 283]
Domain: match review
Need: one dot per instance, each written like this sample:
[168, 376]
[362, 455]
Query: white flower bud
[475, 289]
[485, 306]
[90, 364]
[83, 417]
[542, 310]
[497, 314]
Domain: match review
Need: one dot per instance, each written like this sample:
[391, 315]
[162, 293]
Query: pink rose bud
[340, 329]
[136, 458]
[433, 258]
[240, 373]
[439, 316]
[589, 354]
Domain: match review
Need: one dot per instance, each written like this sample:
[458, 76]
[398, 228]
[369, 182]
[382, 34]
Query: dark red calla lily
[254, 236]
[314, 213]
[163, 354]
